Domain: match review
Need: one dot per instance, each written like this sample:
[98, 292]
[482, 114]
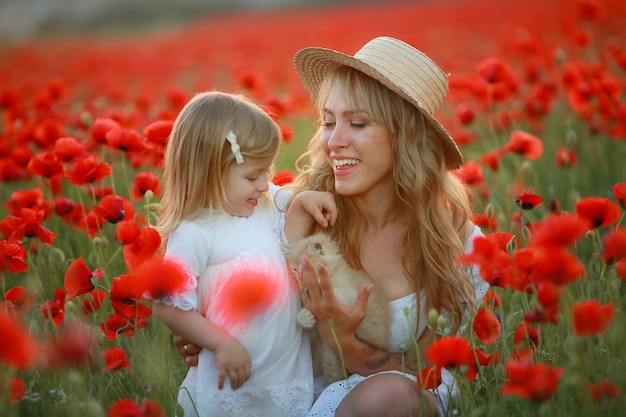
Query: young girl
[218, 220]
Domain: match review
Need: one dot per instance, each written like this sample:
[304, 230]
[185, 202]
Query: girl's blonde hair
[437, 199]
[198, 155]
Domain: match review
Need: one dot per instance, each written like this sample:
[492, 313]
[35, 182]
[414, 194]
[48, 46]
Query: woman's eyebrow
[345, 112]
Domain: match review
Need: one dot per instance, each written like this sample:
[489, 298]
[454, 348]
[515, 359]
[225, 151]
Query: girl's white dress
[243, 284]
[331, 396]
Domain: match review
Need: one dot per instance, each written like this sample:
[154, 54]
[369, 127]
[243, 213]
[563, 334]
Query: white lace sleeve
[187, 245]
[480, 285]
[280, 198]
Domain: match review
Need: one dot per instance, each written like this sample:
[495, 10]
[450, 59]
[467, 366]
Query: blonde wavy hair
[436, 197]
[198, 156]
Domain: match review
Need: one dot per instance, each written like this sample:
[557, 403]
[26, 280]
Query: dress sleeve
[480, 285]
[279, 198]
[186, 245]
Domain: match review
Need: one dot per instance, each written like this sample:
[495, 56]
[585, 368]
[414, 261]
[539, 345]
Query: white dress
[244, 285]
[331, 396]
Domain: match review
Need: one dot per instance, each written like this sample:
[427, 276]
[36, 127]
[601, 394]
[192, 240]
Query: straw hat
[397, 65]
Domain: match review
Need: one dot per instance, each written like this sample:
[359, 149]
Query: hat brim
[314, 63]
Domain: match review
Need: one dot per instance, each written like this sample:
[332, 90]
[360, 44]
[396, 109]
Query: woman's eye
[329, 125]
[358, 125]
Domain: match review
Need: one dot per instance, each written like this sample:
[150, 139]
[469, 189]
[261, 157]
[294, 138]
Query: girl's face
[358, 149]
[245, 184]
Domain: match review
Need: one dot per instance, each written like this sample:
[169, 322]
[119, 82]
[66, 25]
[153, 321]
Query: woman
[403, 218]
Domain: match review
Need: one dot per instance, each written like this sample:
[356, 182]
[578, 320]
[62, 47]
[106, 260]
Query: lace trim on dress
[292, 399]
[185, 300]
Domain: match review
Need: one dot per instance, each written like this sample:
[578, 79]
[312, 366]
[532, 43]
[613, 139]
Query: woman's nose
[338, 138]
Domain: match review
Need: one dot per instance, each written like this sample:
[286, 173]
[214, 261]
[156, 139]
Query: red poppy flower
[117, 324]
[68, 148]
[602, 390]
[54, 309]
[283, 177]
[527, 200]
[471, 174]
[590, 317]
[158, 277]
[485, 359]
[158, 132]
[93, 300]
[71, 345]
[125, 139]
[485, 220]
[31, 198]
[619, 191]
[79, 279]
[99, 191]
[86, 170]
[429, 377]
[21, 352]
[549, 293]
[537, 381]
[559, 229]
[491, 158]
[143, 247]
[125, 408]
[20, 298]
[525, 144]
[143, 182]
[565, 158]
[526, 335]
[90, 223]
[27, 224]
[465, 113]
[286, 132]
[542, 314]
[556, 264]
[124, 295]
[499, 75]
[115, 359]
[494, 262]
[486, 326]
[12, 256]
[588, 10]
[127, 231]
[451, 352]
[45, 164]
[599, 211]
[111, 208]
[492, 299]
[100, 128]
[614, 242]
[17, 389]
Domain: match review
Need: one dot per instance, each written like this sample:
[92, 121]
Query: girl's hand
[187, 350]
[333, 319]
[233, 362]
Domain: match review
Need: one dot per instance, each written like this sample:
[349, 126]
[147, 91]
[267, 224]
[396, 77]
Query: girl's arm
[231, 358]
[306, 208]
[337, 325]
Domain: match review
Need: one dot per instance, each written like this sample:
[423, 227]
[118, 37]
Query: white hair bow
[234, 147]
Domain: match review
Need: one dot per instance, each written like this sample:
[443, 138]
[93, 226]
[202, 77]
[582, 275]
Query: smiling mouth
[340, 163]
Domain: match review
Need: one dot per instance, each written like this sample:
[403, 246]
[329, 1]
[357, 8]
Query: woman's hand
[335, 322]
[187, 350]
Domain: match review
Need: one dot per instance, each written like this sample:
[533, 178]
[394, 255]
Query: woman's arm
[337, 325]
[231, 358]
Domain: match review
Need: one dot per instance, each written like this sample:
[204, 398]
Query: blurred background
[25, 19]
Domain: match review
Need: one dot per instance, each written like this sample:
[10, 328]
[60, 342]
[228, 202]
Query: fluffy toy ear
[285, 249]
[317, 247]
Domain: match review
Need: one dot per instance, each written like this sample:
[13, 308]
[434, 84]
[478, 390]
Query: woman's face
[358, 149]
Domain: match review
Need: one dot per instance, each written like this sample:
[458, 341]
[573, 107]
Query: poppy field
[537, 104]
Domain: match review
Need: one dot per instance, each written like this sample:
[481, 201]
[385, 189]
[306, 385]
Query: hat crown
[410, 71]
